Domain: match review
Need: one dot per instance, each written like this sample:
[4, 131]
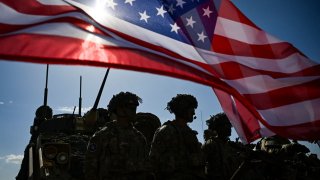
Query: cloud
[2, 103]
[66, 109]
[12, 159]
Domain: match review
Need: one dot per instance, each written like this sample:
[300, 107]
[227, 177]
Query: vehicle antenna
[80, 97]
[74, 109]
[46, 88]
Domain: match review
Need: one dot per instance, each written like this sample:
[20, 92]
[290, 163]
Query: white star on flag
[190, 21]
[174, 27]
[111, 4]
[129, 1]
[207, 12]
[144, 16]
[180, 3]
[171, 9]
[161, 11]
[201, 36]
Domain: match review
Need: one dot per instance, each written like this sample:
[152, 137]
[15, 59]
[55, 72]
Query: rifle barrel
[100, 90]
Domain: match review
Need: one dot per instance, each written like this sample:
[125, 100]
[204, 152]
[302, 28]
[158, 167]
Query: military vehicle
[58, 144]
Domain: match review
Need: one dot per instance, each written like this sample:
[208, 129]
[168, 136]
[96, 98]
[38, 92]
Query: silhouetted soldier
[118, 151]
[43, 113]
[175, 150]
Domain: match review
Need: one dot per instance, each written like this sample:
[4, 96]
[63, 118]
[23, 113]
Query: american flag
[265, 86]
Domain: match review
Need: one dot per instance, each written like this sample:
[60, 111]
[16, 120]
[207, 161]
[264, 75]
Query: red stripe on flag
[286, 95]
[229, 11]
[275, 51]
[36, 8]
[306, 131]
[7, 28]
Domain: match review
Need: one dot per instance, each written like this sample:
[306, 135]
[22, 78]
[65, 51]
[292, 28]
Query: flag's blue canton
[188, 21]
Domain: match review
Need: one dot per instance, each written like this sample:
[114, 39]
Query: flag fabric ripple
[265, 85]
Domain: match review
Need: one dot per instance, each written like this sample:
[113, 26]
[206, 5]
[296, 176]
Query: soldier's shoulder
[107, 129]
[210, 146]
[166, 128]
[138, 133]
[212, 141]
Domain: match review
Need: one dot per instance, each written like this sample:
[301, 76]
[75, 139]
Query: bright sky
[22, 84]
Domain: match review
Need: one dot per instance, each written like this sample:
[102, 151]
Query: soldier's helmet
[147, 124]
[180, 103]
[220, 125]
[218, 121]
[123, 99]
[44, 112]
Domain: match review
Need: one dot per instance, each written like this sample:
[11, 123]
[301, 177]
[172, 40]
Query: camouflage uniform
[176, 153]
[116, 153]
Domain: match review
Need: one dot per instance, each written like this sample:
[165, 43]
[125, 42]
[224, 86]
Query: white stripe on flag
[50, 2]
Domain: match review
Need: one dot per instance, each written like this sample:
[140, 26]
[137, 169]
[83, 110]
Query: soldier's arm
[92, 159]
